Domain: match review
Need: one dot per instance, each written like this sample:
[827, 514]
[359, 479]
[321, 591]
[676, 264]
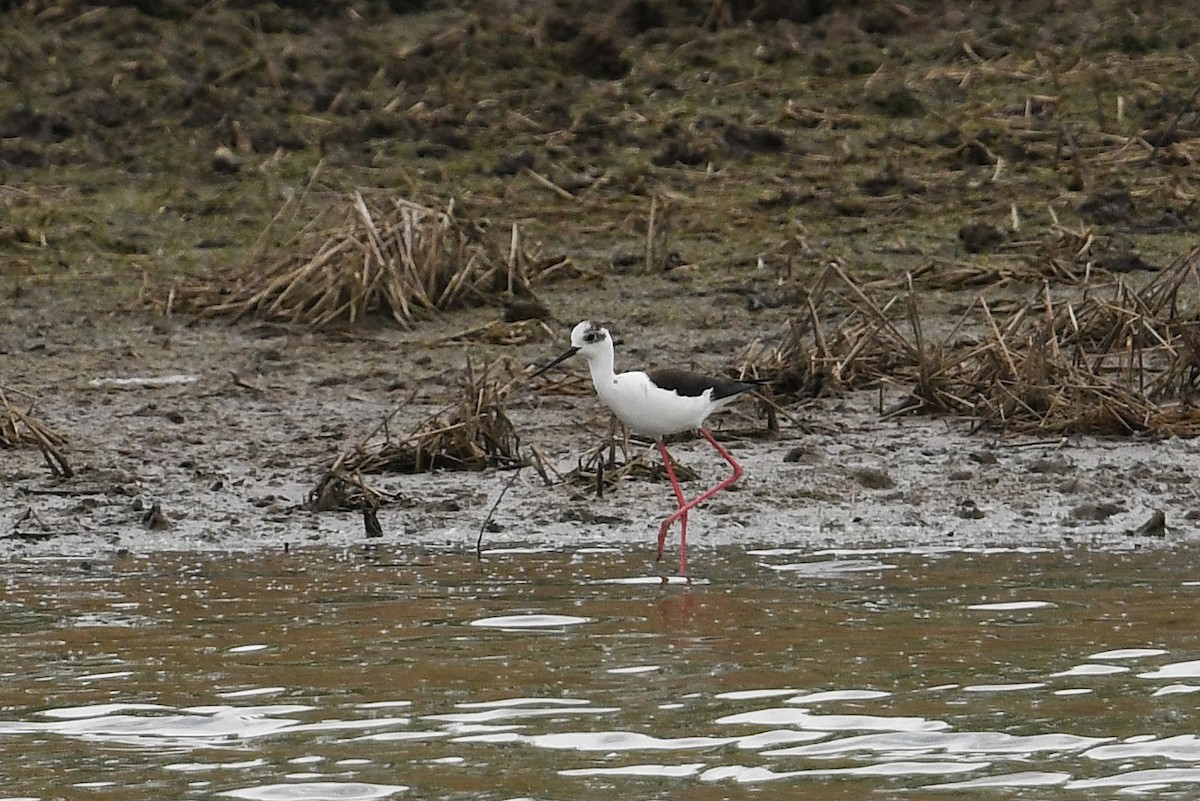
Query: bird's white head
[587, 339]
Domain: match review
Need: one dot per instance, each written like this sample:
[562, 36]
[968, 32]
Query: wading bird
[657, 403]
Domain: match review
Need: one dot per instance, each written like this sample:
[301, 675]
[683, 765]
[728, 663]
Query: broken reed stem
[14, 421]
[491, 512]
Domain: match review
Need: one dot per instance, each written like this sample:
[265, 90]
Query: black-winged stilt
[654, 404]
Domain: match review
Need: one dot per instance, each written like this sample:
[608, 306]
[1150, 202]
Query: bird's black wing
[693, 385]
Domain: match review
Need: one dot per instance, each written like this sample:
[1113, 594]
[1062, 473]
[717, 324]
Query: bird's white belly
[652, 411]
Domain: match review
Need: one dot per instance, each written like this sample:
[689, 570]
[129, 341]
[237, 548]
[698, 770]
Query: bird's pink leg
[662, 532]
[684, 508]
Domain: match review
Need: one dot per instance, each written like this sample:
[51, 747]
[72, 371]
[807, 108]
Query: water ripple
[317, 791]
[988, 744]
[806, 720]
[1184, 748]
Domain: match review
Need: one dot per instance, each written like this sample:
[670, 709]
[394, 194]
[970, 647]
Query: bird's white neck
[600, 363]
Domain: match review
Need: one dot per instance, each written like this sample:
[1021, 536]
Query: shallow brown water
[549, 675]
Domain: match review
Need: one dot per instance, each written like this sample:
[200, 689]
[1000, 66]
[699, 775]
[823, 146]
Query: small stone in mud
[1072, 485]
[756, 138]
[872, 477]
[526, 309]
[225, 161]
[597, 54]
[1098, 512]
[1056, 466]
[513, 163]
[804, 455]
[585, 515]
[969, 510]
[980, 237]
[898, 102]
[1123, 263]
[1156, 526]
[1109, 206]
[155, 520]
[679, 151]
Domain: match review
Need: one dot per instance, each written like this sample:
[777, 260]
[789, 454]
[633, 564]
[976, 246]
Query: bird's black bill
[562, 357]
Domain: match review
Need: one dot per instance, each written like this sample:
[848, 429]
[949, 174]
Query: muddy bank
[229, 453]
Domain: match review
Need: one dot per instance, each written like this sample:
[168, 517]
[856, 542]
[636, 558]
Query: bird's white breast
[651, 410]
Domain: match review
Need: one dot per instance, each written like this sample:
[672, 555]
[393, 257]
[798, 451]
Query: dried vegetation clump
[473, 433]
[19, 427]
[598, 469]
[1111, 359]
[391, 258]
